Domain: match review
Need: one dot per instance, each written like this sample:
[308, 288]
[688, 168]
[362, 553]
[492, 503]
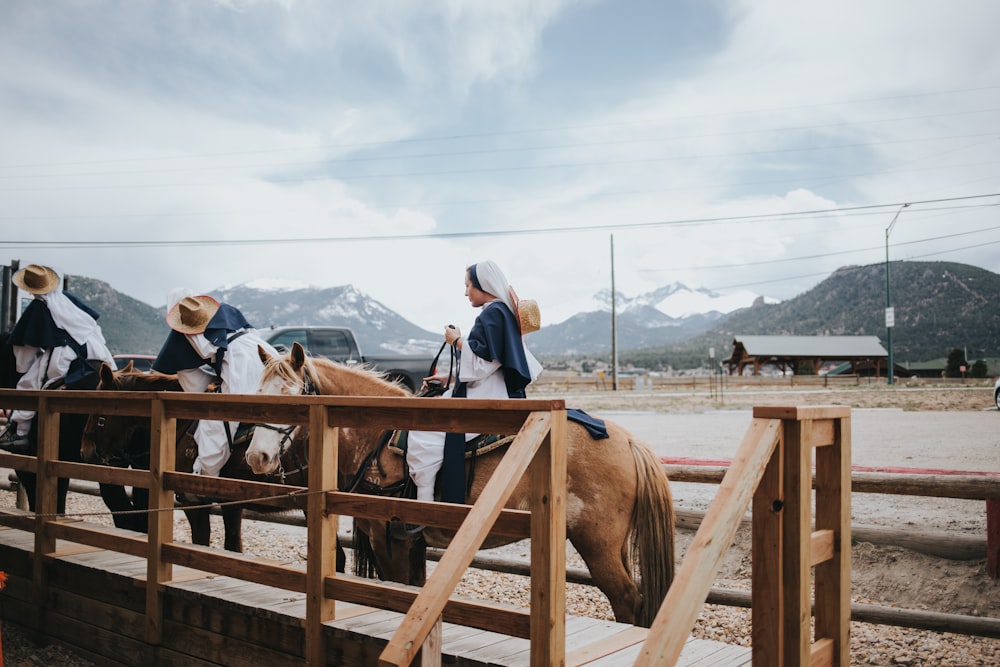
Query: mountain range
[938, 306]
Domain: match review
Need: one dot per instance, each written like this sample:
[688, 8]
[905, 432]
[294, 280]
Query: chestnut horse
[124, 442]
[619, 512]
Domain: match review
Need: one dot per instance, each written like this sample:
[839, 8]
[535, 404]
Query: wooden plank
[89, 536]
[511, 621]
[833, 515]
[434, 595]
[623, 638]
[821, 547]
[797, 519]
[162, 459]
[100, 473]
[238, 565]
[321, 528]
[673, 623]
[548, 546]
[510, 523]
[766, 557]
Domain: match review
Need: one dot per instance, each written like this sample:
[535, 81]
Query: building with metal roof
[802, 354]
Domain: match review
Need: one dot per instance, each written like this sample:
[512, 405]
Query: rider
[494, 363]
[212, 342]
[52, 341]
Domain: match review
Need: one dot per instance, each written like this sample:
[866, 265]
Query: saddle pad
[481, 444]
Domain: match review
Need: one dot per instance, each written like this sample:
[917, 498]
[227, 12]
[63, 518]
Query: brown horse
[124, 442]
[619, 512]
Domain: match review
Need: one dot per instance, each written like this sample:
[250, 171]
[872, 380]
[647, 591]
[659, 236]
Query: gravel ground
[883, 575]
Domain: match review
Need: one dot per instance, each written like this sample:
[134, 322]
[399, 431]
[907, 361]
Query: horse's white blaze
[264, 452]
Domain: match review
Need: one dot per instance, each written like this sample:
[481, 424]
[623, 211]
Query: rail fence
[801, 579]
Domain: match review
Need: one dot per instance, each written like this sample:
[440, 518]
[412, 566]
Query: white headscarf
[74, 321]
[492, 280]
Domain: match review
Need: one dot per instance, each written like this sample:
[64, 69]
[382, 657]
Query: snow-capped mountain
[268, 303]
[665, 315]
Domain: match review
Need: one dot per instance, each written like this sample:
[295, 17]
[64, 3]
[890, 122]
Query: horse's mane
[336, 379]
[139, 381]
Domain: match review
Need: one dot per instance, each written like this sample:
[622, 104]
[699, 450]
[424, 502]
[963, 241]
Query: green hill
[939, 306]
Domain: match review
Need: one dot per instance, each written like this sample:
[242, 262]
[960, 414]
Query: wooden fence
[771, 469]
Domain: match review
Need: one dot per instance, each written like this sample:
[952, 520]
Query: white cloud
[305, 120]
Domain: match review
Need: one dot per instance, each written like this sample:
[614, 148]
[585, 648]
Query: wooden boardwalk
[92, 603]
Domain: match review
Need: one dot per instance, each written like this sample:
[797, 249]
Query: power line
[523, 131]
[847, 210]
[827, 273]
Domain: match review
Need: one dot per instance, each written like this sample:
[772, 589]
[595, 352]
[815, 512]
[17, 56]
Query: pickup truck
[340, 344]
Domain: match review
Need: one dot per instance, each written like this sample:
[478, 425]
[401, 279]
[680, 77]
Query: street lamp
[890, 316]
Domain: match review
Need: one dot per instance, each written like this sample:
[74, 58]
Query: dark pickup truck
[340, 344]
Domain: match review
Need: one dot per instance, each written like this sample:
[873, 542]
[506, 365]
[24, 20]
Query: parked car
[340, 344]
[996, 393]
[140, 362]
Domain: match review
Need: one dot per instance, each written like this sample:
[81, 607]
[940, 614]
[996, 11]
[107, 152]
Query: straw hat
[36, 279]
[528, 315]
[192, 314]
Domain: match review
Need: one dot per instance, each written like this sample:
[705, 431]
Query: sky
[744, 146]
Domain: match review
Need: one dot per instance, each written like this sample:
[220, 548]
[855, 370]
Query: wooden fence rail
[771, 470]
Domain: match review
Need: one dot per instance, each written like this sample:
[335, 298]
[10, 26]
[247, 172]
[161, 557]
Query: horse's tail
[652, 529]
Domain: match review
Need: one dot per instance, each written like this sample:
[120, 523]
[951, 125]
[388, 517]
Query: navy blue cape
[177, 353]
[36, 328]
[496, 336]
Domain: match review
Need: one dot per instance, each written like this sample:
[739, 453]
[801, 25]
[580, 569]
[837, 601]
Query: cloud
[690, 133]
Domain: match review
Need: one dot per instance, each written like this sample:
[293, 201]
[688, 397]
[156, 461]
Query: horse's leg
[118, 502]
[403, 561]
[232, 519]
[606, 558]
[140, 502]
[201, 527]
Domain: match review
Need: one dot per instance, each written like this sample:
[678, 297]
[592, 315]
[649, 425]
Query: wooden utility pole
[614, 323]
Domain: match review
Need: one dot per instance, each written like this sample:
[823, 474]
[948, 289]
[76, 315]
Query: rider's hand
[452, 334]
[440, 378]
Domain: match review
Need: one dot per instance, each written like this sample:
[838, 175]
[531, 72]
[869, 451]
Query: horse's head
[283, 376]
[296, 374]
[104, 437]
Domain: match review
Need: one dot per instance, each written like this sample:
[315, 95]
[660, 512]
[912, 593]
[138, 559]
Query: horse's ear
[298, 355]
[262, 353]
[107, 376]
[129, 367]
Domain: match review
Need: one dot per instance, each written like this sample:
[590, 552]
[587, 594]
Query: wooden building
[806, 354]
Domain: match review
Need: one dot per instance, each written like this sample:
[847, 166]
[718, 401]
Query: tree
[956, 359]
[978, 369]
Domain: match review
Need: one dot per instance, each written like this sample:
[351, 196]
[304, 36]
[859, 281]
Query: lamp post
[890, 315]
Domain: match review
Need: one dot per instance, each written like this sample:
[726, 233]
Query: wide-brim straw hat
[192, 314]
[529, 316]
[36, 279]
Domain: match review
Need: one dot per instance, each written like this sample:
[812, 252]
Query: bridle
[308, 388]
[124, 458]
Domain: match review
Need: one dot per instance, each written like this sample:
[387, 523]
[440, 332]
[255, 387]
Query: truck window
[331, 344]
[284, 340]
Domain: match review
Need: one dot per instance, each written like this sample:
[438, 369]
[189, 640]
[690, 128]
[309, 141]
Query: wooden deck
[93, 602]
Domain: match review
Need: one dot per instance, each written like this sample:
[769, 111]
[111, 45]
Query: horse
[71, 428]
[619, 514]
[124, 442]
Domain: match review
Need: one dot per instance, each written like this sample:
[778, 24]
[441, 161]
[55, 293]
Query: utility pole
[890, 315]
[614, 323]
